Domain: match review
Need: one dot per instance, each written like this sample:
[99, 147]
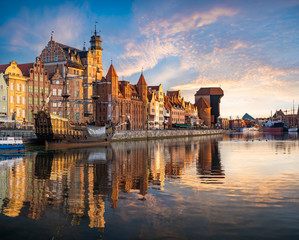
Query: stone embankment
[156, 134]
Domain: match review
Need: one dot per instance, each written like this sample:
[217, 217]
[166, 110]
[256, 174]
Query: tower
[142, 91]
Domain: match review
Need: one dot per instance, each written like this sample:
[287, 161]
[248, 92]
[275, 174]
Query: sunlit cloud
[161, 39]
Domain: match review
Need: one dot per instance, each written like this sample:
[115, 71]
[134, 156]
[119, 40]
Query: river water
[215, 187]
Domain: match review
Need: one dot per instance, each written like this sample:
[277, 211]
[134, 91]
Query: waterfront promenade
[165, 133]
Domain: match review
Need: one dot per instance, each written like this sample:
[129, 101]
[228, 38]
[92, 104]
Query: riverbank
[167, 133]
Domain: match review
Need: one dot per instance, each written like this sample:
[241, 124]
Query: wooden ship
[55, 131]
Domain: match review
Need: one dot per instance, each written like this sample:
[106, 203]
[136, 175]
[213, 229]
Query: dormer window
[56, 58]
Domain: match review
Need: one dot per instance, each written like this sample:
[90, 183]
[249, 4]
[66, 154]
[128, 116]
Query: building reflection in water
[209, 164]
[83, 183]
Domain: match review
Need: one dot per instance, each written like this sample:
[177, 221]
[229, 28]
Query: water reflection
[86, 187]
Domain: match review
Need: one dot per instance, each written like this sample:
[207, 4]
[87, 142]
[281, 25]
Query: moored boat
[293, 129]
[11, 144]
[275, 127]
[56, 132]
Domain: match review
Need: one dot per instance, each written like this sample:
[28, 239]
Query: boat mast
[65, 94]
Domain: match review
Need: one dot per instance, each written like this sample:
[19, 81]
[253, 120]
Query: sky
[248, 48]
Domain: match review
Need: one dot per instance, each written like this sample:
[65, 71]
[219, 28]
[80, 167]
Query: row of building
[71, 82]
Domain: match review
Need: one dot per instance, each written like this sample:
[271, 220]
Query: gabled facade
[153, 110]
[158, 90]
[119, 102]
[81, 67]
[16, 91]
[38, 87]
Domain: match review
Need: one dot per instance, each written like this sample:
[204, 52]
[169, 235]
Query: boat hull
[56, 132]
[274, 130]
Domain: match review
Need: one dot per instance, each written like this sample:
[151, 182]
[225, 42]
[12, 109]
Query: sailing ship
[293, 128]
[55, 131]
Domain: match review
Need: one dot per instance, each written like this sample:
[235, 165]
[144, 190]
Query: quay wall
[24, 133]
[156, 134]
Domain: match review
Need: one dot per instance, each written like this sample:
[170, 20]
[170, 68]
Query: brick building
[38, 87]
[81, 68]
[212, 97]
[119, 102]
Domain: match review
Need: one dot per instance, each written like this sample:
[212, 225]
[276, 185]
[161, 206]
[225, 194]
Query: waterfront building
[223, 123]
[3, 96]
[177, 113]
[16, 90]
[158, 90]
[153, 110]
[24, 88]
[38, 87]
[80, 67]
[204, 111]
[191, 114]
[119, 102]
[176, 109]
[213, 97]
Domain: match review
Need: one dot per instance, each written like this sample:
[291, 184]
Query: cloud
[257, 88]
[162, 38]
[182, 23]
[32, 28]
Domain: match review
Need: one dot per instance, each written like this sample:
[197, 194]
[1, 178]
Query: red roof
[3, 67]
[173, 93]
[111, 72]
[202, 103]
[141, 80]
[154, 87]
[25, 67]
[210, 91]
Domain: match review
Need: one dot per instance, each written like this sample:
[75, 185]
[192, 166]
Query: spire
[95, 28]
[84, 48]
[52, 35]
[111, 72]
[141, 80]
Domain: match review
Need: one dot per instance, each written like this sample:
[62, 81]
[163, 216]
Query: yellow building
[16, 91]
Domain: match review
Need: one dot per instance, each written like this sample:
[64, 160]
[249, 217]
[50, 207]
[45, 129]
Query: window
[59, 104]
[30, 89]
[76, 94]
[3, 98]
[4, 109]
[77, 116]
[54, 104]
[19, 112]
[18, 99]
[36, 78]
[23, 113]
[1, 87]
[18, 87]
[76, 105]
[35, 101]
[56, 58]
[12, 86]
[54, 92]
[59, 92]
[24, 100]
[41, 79]
[30, 100]
[24, 87]
[47, 60]
[47, 90]
[57, 82]
[41, 89]
[36, 89]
